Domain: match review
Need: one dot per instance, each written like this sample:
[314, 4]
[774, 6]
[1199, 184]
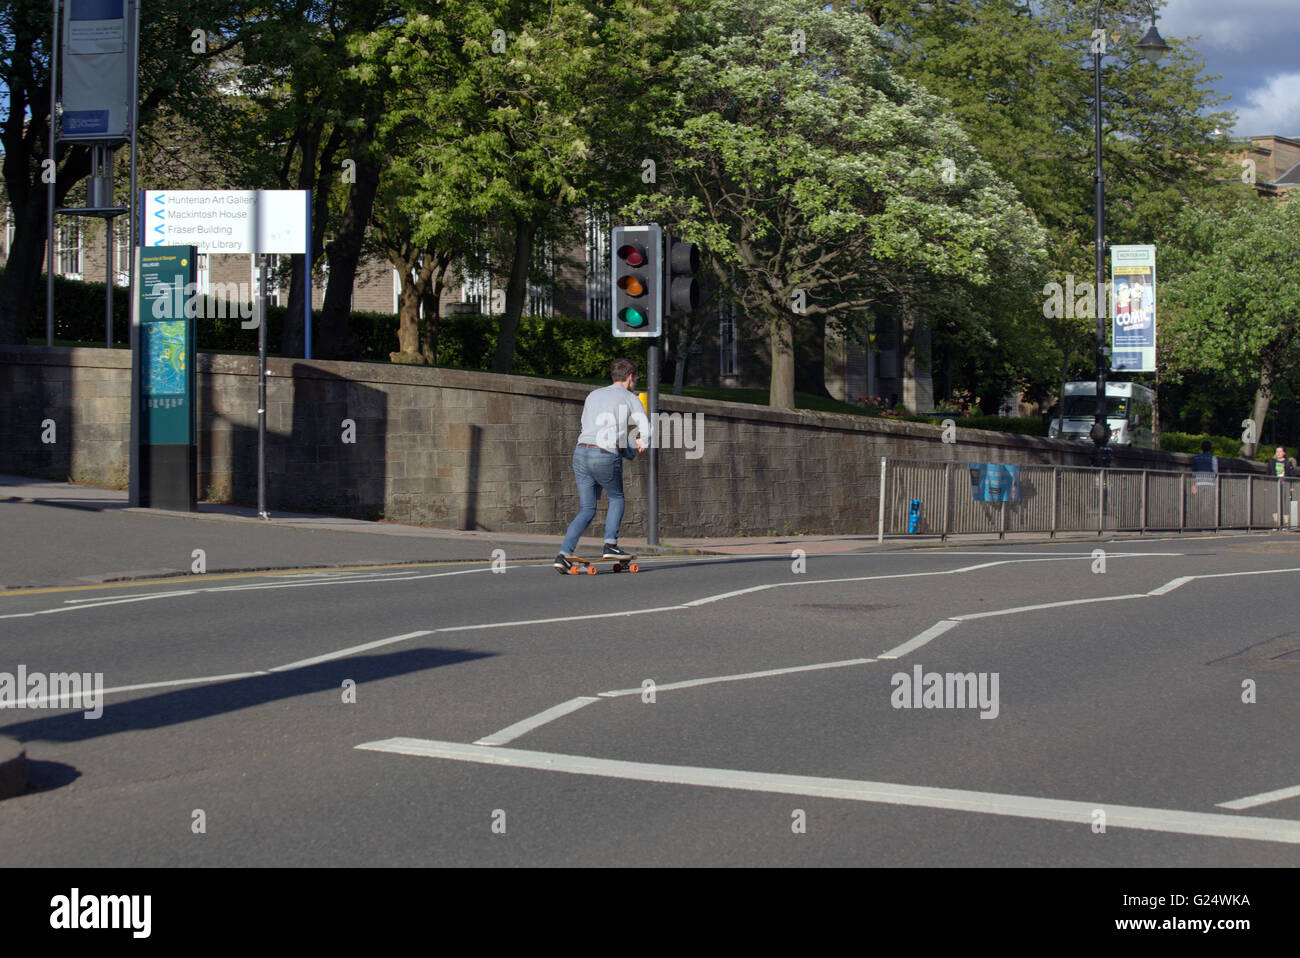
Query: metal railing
[1056, 499]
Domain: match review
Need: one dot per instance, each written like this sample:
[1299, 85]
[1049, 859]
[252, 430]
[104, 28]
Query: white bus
[1129, 411]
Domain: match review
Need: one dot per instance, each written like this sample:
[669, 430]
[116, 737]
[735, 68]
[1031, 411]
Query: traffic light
[637, 281]
[683, 287]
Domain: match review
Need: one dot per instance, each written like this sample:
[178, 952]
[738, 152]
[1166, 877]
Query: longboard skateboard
[627, 564]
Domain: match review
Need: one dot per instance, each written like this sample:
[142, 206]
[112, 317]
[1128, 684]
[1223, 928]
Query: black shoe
[612, 551]
[562, 563]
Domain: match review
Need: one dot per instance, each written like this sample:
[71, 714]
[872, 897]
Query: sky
[1255, 45]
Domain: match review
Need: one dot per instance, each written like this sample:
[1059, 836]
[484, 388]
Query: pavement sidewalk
[78, 534]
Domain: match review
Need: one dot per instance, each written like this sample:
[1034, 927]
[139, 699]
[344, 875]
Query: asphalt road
[706, 711]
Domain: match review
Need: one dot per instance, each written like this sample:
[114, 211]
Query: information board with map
[166, 346]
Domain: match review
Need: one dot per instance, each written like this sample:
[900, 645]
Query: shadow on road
[206, 701]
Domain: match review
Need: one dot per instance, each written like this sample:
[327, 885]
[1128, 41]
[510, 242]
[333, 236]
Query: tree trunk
[23, 272]
[1060, 405]
[408, 315]
[432, 300]
[344, 256]
[22, 287]
[516, 293]
[1263, 395]
[293, 339]
[781, 338]
[685, 329]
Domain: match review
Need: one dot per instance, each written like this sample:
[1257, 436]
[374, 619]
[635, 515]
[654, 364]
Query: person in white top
[598, 457]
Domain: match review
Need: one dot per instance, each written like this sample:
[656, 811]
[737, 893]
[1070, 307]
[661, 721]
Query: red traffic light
[632, 254]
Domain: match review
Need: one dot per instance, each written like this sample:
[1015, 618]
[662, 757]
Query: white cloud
[1231, 27]
[1271, 109]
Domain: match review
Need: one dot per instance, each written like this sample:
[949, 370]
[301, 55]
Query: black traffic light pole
[651, 277]
[652, 486]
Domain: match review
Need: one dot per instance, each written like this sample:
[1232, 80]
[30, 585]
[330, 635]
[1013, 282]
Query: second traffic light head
[683, 286]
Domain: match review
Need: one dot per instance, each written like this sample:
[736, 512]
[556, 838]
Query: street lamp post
[1152, 48]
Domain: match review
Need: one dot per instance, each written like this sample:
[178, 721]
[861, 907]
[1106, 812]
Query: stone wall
[476, 450]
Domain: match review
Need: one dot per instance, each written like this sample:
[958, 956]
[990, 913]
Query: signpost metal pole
[261, 387]
[49, 197]
[652, 497]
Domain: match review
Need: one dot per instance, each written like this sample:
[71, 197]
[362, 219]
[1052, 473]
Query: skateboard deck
[626, 564]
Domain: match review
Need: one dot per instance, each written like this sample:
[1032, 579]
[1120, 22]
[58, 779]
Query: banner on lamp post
[1133, 308]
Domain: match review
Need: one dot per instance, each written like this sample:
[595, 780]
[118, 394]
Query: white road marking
[951, 799]
[1264, 798]
[208, 679]
[96, 605]
[705, 600]
[740, 677]
[1229, 575]
[256, 587]
[330, 656]
[916, 641]
[157, 685]
[353, 580]
[911, 645]
[132, 595]
[1172, 584]
[512, 732]
[969, 616]
[562, 618]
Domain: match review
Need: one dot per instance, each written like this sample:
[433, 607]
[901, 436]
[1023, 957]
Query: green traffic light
[631, 317]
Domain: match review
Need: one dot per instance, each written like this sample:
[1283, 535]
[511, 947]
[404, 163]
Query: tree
[819, 181]
[1019, 79]
[1230, 303]
[526, 111]
[172, 74]
[315, 73]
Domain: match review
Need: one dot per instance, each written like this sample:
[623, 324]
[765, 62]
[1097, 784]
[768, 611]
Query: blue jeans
[595, 469]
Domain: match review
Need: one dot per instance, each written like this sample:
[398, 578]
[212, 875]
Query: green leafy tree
[173, 75]
[820, 182]
[1019, 79]
[526, 112]
[315, 76]
[1230, 303]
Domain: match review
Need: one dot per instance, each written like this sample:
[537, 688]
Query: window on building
[69, 248]
[540, 300]
[476, 274]
[598, 266]
[122, 251]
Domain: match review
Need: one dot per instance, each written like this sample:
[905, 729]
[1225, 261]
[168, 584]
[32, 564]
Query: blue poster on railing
[994, 482]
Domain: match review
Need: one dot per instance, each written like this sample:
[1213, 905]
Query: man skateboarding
[598, 458]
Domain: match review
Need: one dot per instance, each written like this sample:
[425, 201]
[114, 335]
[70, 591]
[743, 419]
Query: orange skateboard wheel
[633, 567]
[591, 570]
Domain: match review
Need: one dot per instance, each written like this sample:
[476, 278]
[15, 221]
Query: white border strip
[1264, 798]
[951, 799]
